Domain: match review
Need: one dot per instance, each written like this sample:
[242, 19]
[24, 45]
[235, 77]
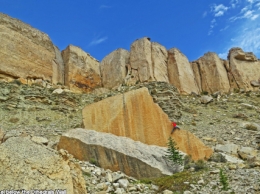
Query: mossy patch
[176, 182]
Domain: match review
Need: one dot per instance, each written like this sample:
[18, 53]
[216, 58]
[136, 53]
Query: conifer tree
[173, 153]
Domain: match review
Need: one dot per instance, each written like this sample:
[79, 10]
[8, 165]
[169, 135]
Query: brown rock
[81, 70]
[244, 67]
[27, 165]
[180, 72]
[26, 53]
[135, 115]
[118, 153]
[140, 61]
[211, 73]
[159, 61]
[113, 68]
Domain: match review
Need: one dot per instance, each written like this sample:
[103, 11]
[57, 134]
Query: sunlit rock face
[135, 115]
[211, 74]
[82, 72]
[26, 53]
[244, 67]
[180, 72]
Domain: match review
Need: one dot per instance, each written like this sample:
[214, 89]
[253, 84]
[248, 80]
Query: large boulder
[26, 53]
[210, 73]
[113, 68]
[135, 115]
[82, 72]
[30, 166]
[244, 67]
[118, 153]
[180, 72]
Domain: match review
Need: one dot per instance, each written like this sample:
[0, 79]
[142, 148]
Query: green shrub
[223, 180]
[200, 165]
[173, 153]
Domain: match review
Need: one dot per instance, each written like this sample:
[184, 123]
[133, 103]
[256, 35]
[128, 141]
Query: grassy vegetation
[175, 182]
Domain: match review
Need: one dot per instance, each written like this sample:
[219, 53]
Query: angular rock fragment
[30, 166]
[135, 115]
[118, 153]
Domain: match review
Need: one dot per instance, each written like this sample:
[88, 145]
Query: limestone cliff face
[26, 53]
[180, 72]
[210, 73]
[113, 68]
[135, 115]
[81, 70]
[244, 67]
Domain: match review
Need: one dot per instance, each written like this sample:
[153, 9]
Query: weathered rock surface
[113, 68]
[244, 67]
[26, 53]
[29, 166]
[81, 70]
[210, 73]
[135, 115]
[140, 61]
[159, 61]
[118, 153]
[180, 72]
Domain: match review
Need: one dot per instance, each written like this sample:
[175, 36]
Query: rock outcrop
[159, 60]
[244, 67]
[180, 72]
[26, 53]
[210, 73]
[81, 70]
[135, 115]
[148, 62]
[118, 153]
[30, 166]
[140, 61]
[113, 68]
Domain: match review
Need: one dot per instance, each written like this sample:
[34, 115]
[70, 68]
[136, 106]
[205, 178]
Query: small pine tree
[223, 180]
[173, 153]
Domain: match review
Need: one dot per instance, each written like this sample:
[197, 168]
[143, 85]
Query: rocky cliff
[30, 56]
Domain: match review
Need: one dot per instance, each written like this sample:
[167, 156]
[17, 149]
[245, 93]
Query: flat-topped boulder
[26, 53]
[116, 153]
[180, 72]
[244, 67]
[30, 166]
[82, 72]
[210, 73]
[135, 115]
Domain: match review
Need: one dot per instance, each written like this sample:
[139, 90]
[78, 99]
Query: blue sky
[101, 26]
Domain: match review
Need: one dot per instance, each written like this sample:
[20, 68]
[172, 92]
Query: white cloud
[223, 29]
[254, 17]
[96, 41]
[234, 3]
[212, 25]
[218, 10]
[205, 14]
[220, 13]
